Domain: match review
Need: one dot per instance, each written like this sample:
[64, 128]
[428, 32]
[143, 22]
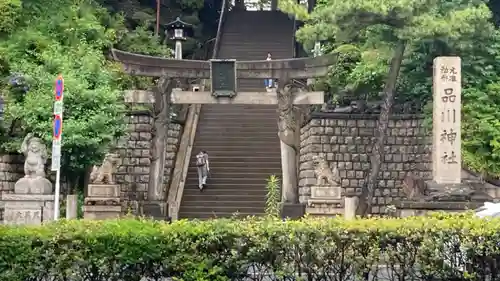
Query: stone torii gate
[224, 74]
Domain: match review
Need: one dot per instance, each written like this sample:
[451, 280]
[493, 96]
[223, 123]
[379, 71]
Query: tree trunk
[161, 115]
[274, 5]
[310, 5]
[368, 189]
[239, 5]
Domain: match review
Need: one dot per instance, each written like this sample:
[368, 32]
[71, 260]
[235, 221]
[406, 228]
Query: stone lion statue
[104, 173]
[35, 154]
[325, 175]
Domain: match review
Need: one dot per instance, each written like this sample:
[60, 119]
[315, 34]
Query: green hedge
[440, 247]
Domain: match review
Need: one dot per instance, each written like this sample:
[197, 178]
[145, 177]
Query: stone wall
[133, 175]
[134, 148]
[346, 140]
[11, 169]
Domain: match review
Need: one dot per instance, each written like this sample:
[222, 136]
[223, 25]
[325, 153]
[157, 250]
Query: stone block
[326, 192]
[103, 190]
[28, 208]
[24, 216]
[99, 212]
[293, 210]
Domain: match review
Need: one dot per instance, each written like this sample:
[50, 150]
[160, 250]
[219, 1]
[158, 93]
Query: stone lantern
[178, 31]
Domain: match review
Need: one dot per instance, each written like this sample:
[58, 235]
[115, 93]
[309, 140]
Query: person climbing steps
[202, 165]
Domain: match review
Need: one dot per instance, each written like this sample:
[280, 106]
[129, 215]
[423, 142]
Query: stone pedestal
[101, 212]
[29, 185]
[444, 197]
[293, 210]
[102, 202]
[155, 210]
[30, 209]
[325, 201]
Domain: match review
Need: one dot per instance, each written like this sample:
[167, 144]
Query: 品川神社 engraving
[450, 116]
[448, 74]
[449, 96]
[449, 136]
[449, 158]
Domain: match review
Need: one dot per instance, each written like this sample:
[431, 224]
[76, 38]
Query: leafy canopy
[75, 44]
[363, 33]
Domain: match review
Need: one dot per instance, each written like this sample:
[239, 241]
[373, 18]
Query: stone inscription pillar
[446, 154]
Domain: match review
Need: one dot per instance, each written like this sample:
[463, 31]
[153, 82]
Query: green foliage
[293, 8]
[363, 34]
[9, 14]
[75, 44]
[273, 196]
[437, 247]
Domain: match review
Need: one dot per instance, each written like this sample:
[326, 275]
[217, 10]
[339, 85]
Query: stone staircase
[241, 140]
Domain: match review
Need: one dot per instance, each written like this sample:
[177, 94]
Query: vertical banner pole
[57, 194]
[56, 141]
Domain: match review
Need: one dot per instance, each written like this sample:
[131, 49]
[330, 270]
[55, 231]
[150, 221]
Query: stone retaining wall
[346, 140]
[133, 175]
[11, 169]
[134, 148]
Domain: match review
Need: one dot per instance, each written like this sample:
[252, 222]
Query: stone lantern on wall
[178, 31]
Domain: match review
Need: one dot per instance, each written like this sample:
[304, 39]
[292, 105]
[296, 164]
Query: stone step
[267, 138]
[202, 201]
[204, 143]
[242, 158]
[237, 148]
[243, 122]
[230, 184]
[270, 123]
[227, 108]
[244, 119]
[222, 174]
[216, 208]
[193, 190]
[236, 199]
[249, 153]
[252, 53]
[239, 170]
[235, 132]
[253, 151]
[242, 113]
[243, 165]
[219, 182]
[206, 216]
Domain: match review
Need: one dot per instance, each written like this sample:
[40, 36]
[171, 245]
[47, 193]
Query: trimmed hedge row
[439, 247]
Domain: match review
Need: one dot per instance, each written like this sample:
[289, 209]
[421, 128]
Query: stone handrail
[186, 146]
[182, 162]
[219, 29]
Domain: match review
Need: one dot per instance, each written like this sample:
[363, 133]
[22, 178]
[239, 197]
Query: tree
[399, 26]
[75, 44]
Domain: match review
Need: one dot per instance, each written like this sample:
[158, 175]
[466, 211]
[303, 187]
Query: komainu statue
[104, 173]
[324, 175]
[34, 181]
[35, 154]
[414, 187]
